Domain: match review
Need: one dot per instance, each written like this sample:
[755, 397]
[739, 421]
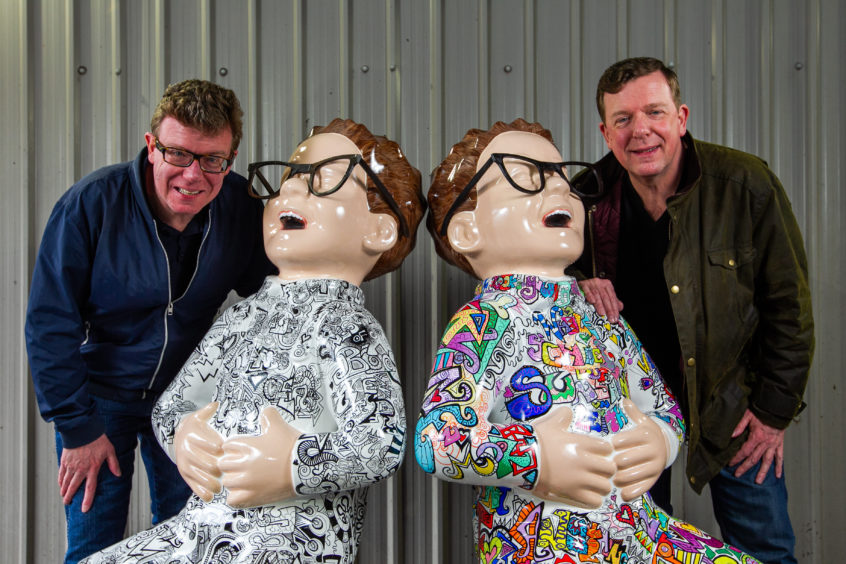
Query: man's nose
[640, 126]
[193, 170]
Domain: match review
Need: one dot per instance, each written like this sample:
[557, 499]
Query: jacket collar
[138, 178]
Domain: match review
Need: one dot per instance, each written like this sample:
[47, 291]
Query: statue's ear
[463, 233]
[382, 234]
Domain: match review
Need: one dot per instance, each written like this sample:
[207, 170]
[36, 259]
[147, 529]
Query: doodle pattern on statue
[558, 417]
[311, 350]
[291, 405]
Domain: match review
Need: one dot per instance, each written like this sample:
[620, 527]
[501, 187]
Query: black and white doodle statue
[291, 405]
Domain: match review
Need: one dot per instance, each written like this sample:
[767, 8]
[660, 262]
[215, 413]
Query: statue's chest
[559, 360]
[272, 364]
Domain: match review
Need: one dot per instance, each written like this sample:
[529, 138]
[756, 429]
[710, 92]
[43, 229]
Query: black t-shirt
[182, 248]
[641, 287]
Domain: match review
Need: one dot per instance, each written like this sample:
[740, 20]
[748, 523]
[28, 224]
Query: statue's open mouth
[291, 220]
[557, 218]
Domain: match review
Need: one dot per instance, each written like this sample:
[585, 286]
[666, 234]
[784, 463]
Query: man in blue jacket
[134, 263]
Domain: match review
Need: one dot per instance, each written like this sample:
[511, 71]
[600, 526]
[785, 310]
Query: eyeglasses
[184, 158]
[529, 176]
[323, 178]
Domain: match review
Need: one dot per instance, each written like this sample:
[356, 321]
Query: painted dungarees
[311, 350]
[523, 346]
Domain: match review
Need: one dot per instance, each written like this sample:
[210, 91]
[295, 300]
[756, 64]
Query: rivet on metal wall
[671, 64]
[364, 68]
[118, 71]
[393, 68]
[799, 66]
[81, 69]
[223, 71]
[507, 68]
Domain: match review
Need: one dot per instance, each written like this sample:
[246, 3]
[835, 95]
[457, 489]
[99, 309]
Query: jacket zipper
[590, 234]
[168, 310]
[170, 300]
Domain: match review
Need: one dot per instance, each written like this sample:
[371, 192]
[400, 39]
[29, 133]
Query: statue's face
[314, 233]
[544, 227]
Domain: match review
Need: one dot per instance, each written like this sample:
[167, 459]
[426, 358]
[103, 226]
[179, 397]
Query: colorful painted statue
[291, 405]
[557, 416]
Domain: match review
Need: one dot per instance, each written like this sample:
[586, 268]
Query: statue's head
[502, 202]
[345, 205]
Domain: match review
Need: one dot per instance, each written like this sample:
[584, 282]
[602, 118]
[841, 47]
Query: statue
[291, 405]
[556, 415]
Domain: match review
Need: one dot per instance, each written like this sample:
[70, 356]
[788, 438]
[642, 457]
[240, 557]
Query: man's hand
[600, 293]
[575, 469]
[763, 444]
[83, 464]
[257, 470]
[197, 448]
[640, 453]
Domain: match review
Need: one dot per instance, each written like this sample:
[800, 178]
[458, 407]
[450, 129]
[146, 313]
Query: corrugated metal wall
[80, 80]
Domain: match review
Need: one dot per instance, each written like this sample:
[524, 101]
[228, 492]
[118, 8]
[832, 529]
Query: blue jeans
[753, 517]
[104, 524]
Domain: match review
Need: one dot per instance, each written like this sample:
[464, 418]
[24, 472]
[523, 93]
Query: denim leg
[168, 491]
[753, 517]
[103, 524]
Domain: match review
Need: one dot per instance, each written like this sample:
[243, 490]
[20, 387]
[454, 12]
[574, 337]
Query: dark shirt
[642, 288]
[182, 248]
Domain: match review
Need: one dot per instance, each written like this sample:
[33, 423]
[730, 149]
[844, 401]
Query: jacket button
[731, 262]
[692, 480]
[674, 289]
[691, 361]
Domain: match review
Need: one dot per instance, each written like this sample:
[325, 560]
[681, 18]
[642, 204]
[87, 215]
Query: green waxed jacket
[737, 277]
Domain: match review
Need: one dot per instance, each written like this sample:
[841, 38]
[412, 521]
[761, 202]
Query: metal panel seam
[435, 141]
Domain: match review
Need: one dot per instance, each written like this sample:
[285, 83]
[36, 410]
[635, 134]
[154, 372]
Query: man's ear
[604, 130]
[382, 235]
[150, 141]
[463, 233]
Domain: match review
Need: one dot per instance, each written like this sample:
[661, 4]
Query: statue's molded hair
[451, 176]
[401, 179]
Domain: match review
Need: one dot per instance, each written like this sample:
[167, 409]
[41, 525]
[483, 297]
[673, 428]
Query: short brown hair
[401, 180]
[202, 105]
[621, 72]
[451, 176]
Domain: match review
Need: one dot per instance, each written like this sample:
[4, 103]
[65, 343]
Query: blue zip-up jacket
[101, 308]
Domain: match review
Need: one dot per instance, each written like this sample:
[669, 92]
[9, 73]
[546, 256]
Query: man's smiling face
[643, 128]
[177, 193]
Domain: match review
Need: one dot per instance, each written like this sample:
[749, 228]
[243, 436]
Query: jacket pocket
[732, 279]
[731, 259]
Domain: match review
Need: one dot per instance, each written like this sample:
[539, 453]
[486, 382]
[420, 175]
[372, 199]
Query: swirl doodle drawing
[482, 410]
[310, 350]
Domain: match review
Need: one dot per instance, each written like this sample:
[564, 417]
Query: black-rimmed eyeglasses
[323, 178]
[183, 158]
[529, 176]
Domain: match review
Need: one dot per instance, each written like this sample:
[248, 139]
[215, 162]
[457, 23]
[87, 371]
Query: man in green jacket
[698, 247]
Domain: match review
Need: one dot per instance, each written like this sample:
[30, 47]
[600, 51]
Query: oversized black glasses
[323, 178]
[529, 176]
[181, 157]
